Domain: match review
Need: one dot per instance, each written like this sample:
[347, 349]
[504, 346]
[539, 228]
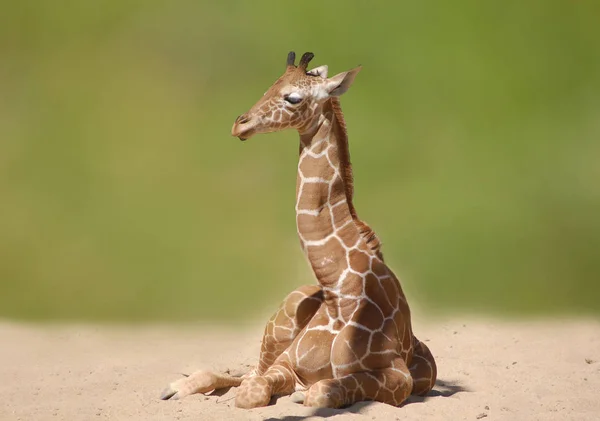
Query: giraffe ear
[339, 84]
[319, 71]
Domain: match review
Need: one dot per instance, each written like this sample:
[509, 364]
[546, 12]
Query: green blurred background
[474, 130]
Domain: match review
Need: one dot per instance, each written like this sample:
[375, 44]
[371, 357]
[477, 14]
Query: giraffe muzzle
[243, 127]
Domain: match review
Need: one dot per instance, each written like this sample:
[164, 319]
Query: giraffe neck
[325, 216]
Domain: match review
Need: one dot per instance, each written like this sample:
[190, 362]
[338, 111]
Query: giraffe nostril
[242, 119]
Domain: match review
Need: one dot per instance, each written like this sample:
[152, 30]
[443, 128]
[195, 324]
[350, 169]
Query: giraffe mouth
[242, 133]
[245, 135]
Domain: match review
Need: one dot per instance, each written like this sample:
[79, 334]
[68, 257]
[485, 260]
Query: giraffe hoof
[169, 394]
[298, 397]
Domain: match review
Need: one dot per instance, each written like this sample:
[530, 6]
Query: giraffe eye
[293, 98]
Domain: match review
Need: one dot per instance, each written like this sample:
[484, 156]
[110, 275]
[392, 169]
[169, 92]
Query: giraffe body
[349, 338]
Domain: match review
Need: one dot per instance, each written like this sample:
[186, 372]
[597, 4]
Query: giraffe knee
[253, 392]
[325, 394]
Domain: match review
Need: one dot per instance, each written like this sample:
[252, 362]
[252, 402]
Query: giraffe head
[294, 100]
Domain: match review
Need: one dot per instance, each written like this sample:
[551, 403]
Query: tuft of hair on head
[306, 58]
[291, 59]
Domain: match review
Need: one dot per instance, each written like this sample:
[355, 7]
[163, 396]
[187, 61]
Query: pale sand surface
[492, 370]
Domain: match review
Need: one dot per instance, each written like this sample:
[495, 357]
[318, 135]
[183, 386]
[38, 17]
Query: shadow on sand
[357, 408]
[442, 388]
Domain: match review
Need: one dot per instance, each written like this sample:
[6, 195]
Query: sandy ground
[492, 370]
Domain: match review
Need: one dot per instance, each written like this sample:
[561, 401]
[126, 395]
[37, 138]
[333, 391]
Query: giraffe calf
[349, 338]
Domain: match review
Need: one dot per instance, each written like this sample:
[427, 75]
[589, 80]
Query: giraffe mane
[344, 154]
[346, 171]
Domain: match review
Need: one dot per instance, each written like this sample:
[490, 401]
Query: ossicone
[291, 59]
[306, 58]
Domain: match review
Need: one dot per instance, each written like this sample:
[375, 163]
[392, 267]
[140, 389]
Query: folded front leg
[257, 391]
[201, 381]
[293, 314]
[390, 385]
